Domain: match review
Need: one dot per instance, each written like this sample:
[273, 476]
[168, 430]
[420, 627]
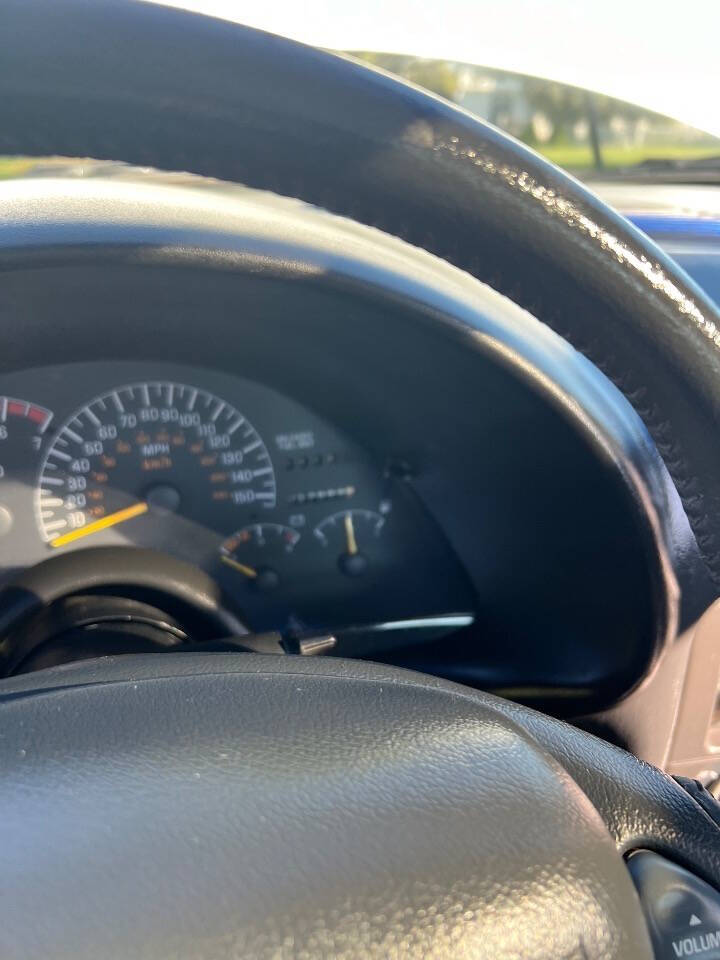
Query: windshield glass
[607, 89]
[598, 86]
[587, 133]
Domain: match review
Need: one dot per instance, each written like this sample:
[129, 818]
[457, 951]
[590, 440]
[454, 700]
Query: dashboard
[308, 429]
[299, 526]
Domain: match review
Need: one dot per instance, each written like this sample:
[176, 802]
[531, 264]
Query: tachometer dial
[22, 426]
[257, 551]
[154, 448]
[353, 535]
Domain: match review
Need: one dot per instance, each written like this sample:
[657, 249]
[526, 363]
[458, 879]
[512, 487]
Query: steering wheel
[234, 805]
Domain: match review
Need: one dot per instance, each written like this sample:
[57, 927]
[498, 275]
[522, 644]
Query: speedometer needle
[111, 520]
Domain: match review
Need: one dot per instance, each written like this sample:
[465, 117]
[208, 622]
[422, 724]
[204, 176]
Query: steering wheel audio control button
[682, 911]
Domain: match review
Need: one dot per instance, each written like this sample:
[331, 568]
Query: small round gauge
[22, 426]
[257, 551]
[156, 448]
[353, 535]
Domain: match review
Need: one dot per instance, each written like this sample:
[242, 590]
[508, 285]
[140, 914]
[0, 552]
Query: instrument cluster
[301, 528]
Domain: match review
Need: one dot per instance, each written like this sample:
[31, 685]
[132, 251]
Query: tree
[438, 76]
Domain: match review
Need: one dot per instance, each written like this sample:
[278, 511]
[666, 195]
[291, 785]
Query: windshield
[598, 86]
[588, 133]
[607, 89]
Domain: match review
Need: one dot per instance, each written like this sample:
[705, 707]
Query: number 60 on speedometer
[151, 447]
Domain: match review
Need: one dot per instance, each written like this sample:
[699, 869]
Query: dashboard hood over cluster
[512, 484]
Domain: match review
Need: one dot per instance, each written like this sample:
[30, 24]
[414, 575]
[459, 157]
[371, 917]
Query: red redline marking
[33, 412]
[37, 414]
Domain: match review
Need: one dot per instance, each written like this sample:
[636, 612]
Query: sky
[661, 54]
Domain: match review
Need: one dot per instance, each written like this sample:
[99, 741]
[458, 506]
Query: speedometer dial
[152, 448]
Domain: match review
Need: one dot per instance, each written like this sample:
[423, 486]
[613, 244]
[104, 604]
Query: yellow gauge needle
[236, 565]
[352, 547]
[111, 520]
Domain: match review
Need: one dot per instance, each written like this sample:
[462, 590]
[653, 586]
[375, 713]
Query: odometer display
[155, 447]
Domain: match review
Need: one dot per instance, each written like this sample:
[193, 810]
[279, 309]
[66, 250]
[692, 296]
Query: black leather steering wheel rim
[149, 85]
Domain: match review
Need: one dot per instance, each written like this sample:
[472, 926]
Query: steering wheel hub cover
[225, 806]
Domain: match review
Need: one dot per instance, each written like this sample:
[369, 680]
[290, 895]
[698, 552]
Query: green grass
[572, 156]
[579, 156]
[14, 166]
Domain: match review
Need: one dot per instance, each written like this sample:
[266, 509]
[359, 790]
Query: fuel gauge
[256, 552]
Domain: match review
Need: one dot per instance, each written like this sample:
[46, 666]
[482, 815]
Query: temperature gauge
[256, 552]
[353, 534]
